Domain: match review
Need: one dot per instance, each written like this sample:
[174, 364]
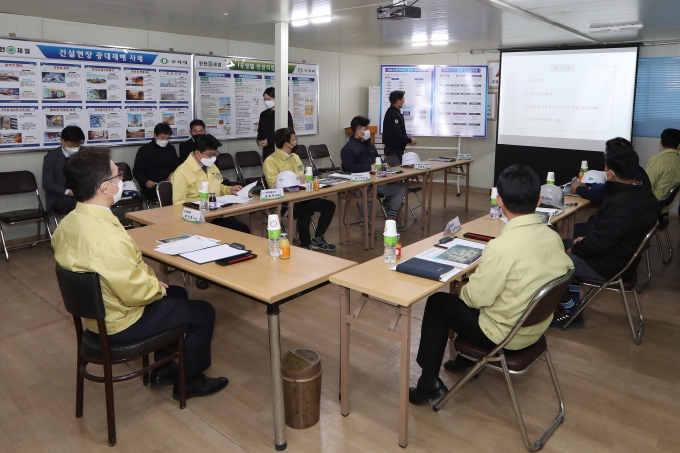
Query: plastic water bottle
[274, 234]
[378, 167]
[495, 209]
[309, 180]
[204, 197]
[390, 239]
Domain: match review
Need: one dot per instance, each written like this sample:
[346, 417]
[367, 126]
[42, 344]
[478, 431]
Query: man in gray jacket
[54, 182]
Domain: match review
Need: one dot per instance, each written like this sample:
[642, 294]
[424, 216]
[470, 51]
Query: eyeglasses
[119, 175]
[210, 156]
[293, 140]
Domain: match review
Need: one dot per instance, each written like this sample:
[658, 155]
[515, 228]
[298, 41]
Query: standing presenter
[265, 128]
[394, 130]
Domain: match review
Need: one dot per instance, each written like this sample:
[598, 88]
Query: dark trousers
[445, 311]
[64, 204]
[232, 223]
[175, 310]
[303, 212]
[582, 229]
[394, 152]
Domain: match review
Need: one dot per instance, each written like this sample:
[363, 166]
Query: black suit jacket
[394, 132]
[53, 179]
[185, 148]
[265, 130]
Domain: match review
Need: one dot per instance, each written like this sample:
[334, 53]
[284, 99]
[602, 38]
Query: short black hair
[359, 121]
[396, 96]
[196, 123]
[617, 141]
[162, 128]
[205, 142]
[269, 92]
[623, 161]
[72, 134]
[86, 170]
[283, 136]
[520, 189]
[670, 138]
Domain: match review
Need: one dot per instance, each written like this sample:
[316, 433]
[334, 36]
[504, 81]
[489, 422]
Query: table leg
[344, 350]
[407, 210]
[341, 220]
[163, 276]
[273, 311]
[404, 374]
[429, 198]
[446, 184]
[367, 219]
[423, 204]
[291, 220]
[374, 209]
[467, 184]
[189, 285]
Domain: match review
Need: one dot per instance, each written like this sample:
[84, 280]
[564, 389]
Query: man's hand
[163, 284]
[414, 141]
[302, 179]
[262, 142]
[235, 189]
[70, 193]
[150, 184]
[579, 239]
[576, 184]
[457, 286]
[372, 167]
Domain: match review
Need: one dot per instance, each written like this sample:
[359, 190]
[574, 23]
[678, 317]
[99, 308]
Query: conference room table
[397, 293]
[270, 281]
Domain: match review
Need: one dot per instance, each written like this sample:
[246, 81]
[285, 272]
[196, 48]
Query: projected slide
[574, 99]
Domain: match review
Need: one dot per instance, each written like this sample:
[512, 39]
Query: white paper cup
[308, 171]
[390, 228]
[584, 164]
[378, 161]
[494, 192]
[551, 176]
[205, 187]
[273, 222]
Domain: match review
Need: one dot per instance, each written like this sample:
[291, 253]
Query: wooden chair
[15, 183]
[542, 305]
[164, 192]
[248, 159]
[623, 282]
[82, 295]
[318, 152]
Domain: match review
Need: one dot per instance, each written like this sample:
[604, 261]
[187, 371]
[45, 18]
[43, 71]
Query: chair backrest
[319, 151]
[302, 152]
[247, 159]
[164, 192]
[125, 168]
[667, 199]
[225, 161]
[82, 293]
[15, 182]
[643, 246]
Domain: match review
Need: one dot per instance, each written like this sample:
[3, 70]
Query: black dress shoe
[458, 365]
[201, 385]
[563, 316]
[431, 389]
[165, 375]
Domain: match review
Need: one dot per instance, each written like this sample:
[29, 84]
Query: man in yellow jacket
[664, 168]
[525, 256]
[137, 304]
[200, 167]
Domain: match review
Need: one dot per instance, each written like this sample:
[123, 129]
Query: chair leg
[670, 247]
[47, 227]
[182, 374]
[110, 413]
[476, 369]
[586, 300]
[4, 244]
[145, 363]
[641, 286]
[80, 385]
[637, 336]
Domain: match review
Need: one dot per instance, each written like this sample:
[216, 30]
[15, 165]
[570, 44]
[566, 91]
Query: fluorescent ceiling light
[602, 28]
[299, 23]
[320, 19]
[419, 44]
[439, 43]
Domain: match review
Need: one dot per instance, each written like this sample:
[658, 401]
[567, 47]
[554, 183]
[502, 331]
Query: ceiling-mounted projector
[398, 11]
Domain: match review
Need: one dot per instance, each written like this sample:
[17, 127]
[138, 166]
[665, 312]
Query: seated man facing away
[155, 161]
[664, 168]
[282, 159]
[57, 196]
[358, 156]
[525, 256]
[595, 193]
[625, 216]
[137, 305]
[187, 179]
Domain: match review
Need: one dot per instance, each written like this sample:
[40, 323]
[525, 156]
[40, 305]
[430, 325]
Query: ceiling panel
[469, 24]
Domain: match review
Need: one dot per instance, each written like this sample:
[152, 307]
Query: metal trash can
[301, 369]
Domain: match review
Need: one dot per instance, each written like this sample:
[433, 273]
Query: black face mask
[295, 148]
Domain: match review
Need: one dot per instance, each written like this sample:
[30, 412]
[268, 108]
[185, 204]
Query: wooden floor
[619, 397]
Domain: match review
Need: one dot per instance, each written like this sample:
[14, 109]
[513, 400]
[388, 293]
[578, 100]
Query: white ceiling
[470, 24]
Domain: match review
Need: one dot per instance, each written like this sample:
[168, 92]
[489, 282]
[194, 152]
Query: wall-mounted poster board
[228, 95]
[441, 101]
[116, 96]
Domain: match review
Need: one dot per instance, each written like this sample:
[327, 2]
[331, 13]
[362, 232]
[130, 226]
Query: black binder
[423, 268]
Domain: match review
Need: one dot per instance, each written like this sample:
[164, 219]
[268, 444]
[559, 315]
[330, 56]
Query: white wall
[343, 88]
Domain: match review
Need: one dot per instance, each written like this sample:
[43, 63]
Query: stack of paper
[240, 197]
[182, 244]
[340, 175]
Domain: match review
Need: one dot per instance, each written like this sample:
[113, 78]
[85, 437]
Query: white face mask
[269, 103]
[162, 143]
[208, 162]
[118, 195]
[70, 150]
[367, 134]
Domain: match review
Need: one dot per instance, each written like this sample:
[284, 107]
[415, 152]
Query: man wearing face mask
[198, 168]
[394, 129]
[283, 159]
[155, 161]
[57, 196]
[265, 127]
[138, 305]
[358, 156]
[196, 127]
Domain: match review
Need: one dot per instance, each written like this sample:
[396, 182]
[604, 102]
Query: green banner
[258, 66]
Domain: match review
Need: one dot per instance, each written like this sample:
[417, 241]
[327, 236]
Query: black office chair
[318, 152]
[510, 362]
[303, 154]
[225, 162]
[164, 193]
[248, 159]
[82, 295]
